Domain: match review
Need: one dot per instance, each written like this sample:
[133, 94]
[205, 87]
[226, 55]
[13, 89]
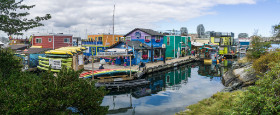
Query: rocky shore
[241, 75]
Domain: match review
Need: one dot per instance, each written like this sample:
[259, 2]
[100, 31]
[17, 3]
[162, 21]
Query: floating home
[147, 44]
[99, 43]
[225, 41]
[52, 40]
[176, 45]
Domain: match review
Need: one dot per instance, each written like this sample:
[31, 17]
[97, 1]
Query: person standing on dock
[141, 64]
[101, 66]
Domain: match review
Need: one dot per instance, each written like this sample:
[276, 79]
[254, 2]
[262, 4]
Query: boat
[207, 53]
[109, 75]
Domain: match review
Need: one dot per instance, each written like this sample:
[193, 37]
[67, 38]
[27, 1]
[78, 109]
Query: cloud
[96, 15]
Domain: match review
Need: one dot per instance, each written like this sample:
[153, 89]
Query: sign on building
[55, 64]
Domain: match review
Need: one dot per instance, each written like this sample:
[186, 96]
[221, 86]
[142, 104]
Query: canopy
[117, 50]
[197, 44]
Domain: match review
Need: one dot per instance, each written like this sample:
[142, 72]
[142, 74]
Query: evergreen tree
[13, 17]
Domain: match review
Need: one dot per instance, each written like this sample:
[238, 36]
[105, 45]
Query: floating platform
[123, 84]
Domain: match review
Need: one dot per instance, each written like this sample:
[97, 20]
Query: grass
[219, 104]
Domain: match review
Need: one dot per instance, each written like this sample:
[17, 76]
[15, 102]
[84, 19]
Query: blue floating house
[146, 44]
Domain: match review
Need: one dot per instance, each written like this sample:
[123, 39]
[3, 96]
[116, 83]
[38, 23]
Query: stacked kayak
[107, 72]
[59, 57]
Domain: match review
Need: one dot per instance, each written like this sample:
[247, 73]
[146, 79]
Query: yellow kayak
[62, 59]
[59, 52]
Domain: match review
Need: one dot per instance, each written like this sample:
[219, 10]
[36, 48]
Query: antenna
[114, 23]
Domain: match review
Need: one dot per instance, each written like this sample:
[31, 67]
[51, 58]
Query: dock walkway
[88, 67]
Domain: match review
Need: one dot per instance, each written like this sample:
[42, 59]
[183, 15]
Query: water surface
[170, 91]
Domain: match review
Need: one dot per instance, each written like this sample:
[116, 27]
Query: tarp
[117, 50]
[196, 44]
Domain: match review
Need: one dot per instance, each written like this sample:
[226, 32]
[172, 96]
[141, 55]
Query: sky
[84, 17]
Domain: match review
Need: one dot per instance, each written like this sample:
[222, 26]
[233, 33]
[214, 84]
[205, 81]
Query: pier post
[130, 65]
[92, 78]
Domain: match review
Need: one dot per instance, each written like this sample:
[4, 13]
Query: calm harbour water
[169, 92]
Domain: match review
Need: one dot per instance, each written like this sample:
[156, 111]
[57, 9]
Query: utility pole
[114, 23]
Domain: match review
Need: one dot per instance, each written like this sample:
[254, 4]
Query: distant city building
[207, 34]
[200, 31]
[184, 31]
[243, 35]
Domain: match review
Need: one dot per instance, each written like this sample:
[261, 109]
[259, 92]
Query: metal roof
[148, 31]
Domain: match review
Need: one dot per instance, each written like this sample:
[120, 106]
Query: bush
[261, 65]
[258, 48]
[27, 93]
[264, 97]
[9, 63]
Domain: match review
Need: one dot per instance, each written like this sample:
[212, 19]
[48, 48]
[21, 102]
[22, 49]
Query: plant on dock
[28, 93]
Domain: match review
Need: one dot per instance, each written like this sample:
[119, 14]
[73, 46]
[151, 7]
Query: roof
[136, 45]
[35, 50]
[148, 31]
[52, 34]
[18, 47]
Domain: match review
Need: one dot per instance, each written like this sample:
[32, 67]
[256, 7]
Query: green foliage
[264, 97]
[218, 104]
[9, 63]
[261, 65]
[258, 48]
[48, 93]
[276, 30]
[13, 18]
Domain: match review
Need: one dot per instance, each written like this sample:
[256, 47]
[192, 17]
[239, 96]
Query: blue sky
[234, 18]
[95, 16]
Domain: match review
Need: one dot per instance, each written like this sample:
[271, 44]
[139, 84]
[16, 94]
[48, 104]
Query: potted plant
[147, 40]
[124, 64]
[145, 56]
[157, 41]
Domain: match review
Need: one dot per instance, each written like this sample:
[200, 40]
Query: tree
[276, 30]
[258, 48]
[28, 93]
[13, 17]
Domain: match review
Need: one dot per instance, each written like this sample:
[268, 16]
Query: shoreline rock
[242, 75]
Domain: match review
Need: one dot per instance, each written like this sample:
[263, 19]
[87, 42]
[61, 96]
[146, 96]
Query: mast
[114, 23]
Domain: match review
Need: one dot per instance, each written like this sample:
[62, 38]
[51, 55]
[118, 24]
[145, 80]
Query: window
[145, 54]
[116, 39]
[66, 40]
[50, 39]
[95, 39]
[168, 40]
[128, 38]
[38, 40]
[147, 38]
[168, 79]
[99, 38]
[157, 39]
[157, 53]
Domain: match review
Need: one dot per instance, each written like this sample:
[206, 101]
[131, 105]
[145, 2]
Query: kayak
[107, 72]
[62, 59]
[64, 52]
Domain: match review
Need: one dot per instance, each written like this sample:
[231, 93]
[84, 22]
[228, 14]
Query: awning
[196, 44]
[117, 50]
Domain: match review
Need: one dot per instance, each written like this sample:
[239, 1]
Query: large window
[99, 38]
[145, 54]
[38, 40]
[66, 40]
[128, 38]
[147, 38]
[50, 39]
[157, 38]
[168, 40]
[116, 39]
